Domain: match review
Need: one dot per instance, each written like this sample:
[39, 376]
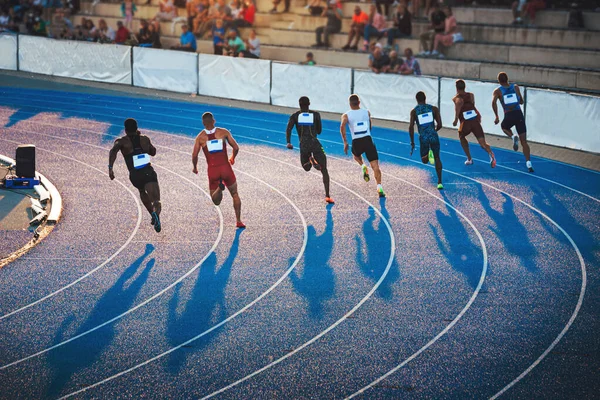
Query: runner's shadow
[204, 308]
[455, 244]
[82, 353]
[317, 283]
[373, 251]
[510, 231]
[18, 116]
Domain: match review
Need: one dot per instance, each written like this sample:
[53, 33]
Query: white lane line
[281, 279]
[108, 260]
[216, 243]
[226, 114]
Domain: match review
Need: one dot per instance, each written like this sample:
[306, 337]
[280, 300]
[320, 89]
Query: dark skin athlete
[150, 196]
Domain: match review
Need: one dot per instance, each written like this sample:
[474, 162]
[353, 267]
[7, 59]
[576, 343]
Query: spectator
[395, 63]
[334, 24]
[310, 59]
[224, 12]
[192, 9]
[247, 15]
[314, 8]
[530, 8]
[437, 25]
[447, 38]
[411, 65]
[154, 36]
[277, 2]
[236, 8]
[202, 15]
[209, 21]
[253, 44]
[143, 35]
[187, 41]
[7, 22]
[379, 62]
[88, 30]
[376, 26]
[386, 6]
[235, 44]
[104, 33]
[167, 12]
[128, 10]
[357, 29]
[417, 3]
[218, 34]
[402, 25]
[122, 33]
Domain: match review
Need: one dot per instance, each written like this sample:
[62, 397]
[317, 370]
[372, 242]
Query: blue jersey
[510, 99]
[425, 122]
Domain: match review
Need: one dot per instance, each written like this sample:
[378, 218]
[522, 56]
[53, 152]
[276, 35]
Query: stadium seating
[548, 55]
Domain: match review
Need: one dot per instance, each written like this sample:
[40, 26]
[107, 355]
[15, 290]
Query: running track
[489, 288]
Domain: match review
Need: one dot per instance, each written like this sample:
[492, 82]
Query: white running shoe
[515, 139]
[529, 166]
[435, 53]
[469, 162]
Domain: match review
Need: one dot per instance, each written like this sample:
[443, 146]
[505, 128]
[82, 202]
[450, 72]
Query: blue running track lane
[487, 289]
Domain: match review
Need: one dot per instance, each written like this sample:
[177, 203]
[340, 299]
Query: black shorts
[432, 143]
[315, 150]
[140, 177]
[365, 145]
[514, 118]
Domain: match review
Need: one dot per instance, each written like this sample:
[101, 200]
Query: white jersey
[359, 123]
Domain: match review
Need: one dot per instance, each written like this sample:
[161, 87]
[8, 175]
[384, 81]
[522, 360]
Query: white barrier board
[328, 88]
[391, 96]
[8, 51]
[171, 70]
[483, 92]
[73, 59]
[563, 119]
[234, 78]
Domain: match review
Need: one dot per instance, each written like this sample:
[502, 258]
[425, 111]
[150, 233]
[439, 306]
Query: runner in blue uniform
[511, 99]
[429, 122]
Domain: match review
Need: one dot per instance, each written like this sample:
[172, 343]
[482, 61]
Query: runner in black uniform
[308, 126]
[137, 149]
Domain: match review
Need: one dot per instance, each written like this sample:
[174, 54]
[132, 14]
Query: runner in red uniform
[470, 121]
[213, 142]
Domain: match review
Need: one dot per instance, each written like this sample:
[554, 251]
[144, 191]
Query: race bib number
[141, 160]
[426, 118]
[510, 99]
[469, 114]
[306, 119]
[361, 127]
[215, 145]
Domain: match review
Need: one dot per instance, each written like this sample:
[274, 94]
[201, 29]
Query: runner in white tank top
[359, 122]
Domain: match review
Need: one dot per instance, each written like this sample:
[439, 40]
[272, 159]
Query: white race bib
[306, 119]
[469, 114]
[510, 99]
[426, 118]
[215, 145]
[361, 127]
[141, 160]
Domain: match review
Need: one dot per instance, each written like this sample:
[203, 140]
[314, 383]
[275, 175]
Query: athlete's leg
[146, 200]
[358, 159]
[465, 146]
[321, 159]
[305, 160]
[376, 170]
[438, 166]
[216, 195]
[525, 145]
[153, 193]
[237, 202]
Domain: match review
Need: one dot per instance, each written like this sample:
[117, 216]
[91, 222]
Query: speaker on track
[25, 158]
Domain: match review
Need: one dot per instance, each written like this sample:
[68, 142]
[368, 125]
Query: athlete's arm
[234, 146]
[318, 125]
[288, 131]
[438, 118]
[411, 130]
[112, 157]
[370, 122]
[518, 90]
[476, 110]
[495, 106]
[458, 103]
[195, 152]
[151, 148]
[343, 132]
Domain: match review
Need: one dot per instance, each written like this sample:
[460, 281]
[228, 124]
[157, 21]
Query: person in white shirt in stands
[253, 44]
[103, 33]
[359, 121]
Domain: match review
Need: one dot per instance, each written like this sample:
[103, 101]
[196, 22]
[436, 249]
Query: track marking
[109, 259]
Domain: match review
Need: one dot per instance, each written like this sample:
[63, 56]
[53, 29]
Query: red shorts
[471, 126]
[220, 172]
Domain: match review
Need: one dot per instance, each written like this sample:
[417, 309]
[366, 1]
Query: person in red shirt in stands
[122, 33]
[247, 15]
[357, 29]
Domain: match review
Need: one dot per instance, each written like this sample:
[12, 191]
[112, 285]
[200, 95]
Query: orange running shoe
[329, 200]
[240, 225]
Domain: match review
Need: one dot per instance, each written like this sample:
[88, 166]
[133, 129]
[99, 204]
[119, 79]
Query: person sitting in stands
[253, 45]
[379, 62]
[376, 26]
[122, 33]
[396, 63]
[411, 65]
[218, 34]
[447, 38]
[310, 59]
[277, 2]
[187, 42]
[104, 33]
[436, 25]
[167, 12]
[193, 8]
[235, 44]
[357, 29]
[334, 24]
[402, 25]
